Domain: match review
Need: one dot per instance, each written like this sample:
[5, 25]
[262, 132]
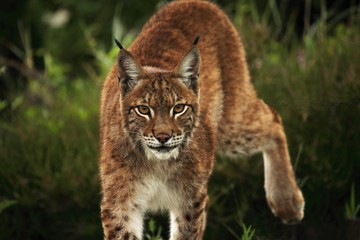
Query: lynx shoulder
[168, 105]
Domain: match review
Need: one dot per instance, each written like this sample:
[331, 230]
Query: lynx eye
[143, 110]
[179, 108]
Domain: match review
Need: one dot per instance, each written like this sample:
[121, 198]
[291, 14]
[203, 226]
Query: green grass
[352, 208]
[49, 137]
[48, 165]
[153, 233]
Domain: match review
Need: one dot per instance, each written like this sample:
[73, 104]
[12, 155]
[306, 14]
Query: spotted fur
[168, 105]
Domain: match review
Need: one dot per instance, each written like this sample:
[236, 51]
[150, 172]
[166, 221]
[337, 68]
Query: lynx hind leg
[260, 130]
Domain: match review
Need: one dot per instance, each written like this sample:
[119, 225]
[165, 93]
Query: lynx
[168, 105]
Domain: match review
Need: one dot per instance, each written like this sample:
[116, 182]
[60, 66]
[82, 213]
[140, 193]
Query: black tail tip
[118, 43]
[196, 40]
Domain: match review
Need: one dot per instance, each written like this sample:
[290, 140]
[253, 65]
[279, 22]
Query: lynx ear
[129, 69]
[189, 67]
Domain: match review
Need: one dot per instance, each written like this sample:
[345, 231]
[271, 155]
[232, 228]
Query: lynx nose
[163, 137]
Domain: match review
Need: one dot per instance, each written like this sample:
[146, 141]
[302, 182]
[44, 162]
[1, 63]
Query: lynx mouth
[163, 149]
[162, 152]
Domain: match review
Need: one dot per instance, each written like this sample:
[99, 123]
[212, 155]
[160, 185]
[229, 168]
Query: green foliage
[6, 204]
[49, 166]
[153, 234]
[351, 207]
[248, 233]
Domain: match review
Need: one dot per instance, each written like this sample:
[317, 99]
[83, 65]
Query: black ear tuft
[118, 44]
[196, 40]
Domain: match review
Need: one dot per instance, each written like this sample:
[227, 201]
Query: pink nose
[163, 137]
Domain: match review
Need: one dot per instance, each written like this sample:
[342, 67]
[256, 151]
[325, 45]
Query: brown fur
[223, 114]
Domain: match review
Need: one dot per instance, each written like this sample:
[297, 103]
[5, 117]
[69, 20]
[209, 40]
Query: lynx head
[159, 107]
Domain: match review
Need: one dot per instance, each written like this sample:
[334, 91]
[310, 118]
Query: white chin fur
[153, 154]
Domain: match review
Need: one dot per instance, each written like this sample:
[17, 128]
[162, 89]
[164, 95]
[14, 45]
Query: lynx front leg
[189, 223]
[121, 223]
[121, 216]
[282, 193]
[259, 129]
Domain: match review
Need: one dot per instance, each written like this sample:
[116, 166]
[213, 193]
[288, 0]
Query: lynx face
[159, 107]
[160, 115]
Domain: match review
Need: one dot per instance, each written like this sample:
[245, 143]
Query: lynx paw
[289, 208]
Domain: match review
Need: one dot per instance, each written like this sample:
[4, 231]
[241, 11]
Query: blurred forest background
[304, 58]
